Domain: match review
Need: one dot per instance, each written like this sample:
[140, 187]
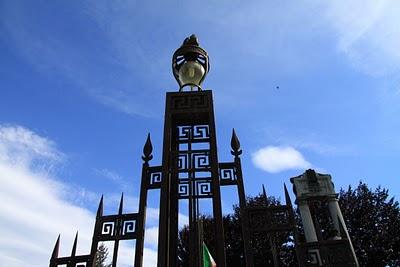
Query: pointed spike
[56, 249]
[121, 204]
[73, 252]
[100, 208]
[264, 192]
[235, 144]
[287, 196]
[147, 149]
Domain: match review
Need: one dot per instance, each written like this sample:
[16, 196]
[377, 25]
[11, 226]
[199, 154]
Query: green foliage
[373, 221]
[234, 242]
[101, 256]
[372, 218]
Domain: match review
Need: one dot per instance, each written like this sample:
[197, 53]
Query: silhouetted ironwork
[190, 171]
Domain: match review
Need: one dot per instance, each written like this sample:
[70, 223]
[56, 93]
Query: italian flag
[208, 260]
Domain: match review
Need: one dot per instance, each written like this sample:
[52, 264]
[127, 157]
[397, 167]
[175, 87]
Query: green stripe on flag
[208, 260]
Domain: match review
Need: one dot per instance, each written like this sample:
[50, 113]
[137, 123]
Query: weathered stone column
[341, 223]
[334, 211]
[311, 186]
[308, 224]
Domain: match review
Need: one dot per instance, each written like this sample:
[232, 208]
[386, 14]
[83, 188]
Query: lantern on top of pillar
[190, 64]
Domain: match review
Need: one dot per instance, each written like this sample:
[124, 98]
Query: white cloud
[367, 33]
[19, 145]
[151, 237]
[276, 159]
[32, 204]
[33, 214]
[114, 177]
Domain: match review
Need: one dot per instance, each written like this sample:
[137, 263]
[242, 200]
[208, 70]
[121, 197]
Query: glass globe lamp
[190, 64]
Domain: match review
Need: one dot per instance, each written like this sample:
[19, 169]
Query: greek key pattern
[327, 252]
[198, 188]
[118, 227]
[197, 160]
[227, 174]
[195, 132]
[269, 219]
[185, 101]
[155, 177]
[75, 261]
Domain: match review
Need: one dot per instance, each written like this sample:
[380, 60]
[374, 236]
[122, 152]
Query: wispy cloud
[19, 145]
[367, 33]
[275, 159]
[113, 176]
[34, 210]
[121, 64]
[105, 72]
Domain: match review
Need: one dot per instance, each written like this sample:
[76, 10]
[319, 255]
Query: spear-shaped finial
[56, 249]
[235, 144]
[121, 204]
[73, 252]
[192, 40]
[147, 149]
[264, 194]
[287, 196]
[100, 208]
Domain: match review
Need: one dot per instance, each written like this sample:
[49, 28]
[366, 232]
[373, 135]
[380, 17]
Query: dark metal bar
[273, 249]
[217, 209]
[248, 255]
[141, 221]
[165, 192]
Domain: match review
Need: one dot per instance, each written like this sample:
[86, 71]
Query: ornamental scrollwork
[154, 177]
[201, 131]
[183, 190]
[227, 174]
[116, 227]
[107, 229]
[203, 188]
[189, 101]
[193, 132]
[128, 227]
[201, 160]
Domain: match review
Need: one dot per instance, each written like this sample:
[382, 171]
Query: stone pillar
[335, 206]
[308, 224]
[334, 212]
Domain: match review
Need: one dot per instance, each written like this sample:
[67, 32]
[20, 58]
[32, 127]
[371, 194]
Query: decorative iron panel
[270, 219]
[330, 253]
[227, 173]
[155, 177]
[188, 101]
[193, 133]
[195, 188]
[73, 261]
[118, 227]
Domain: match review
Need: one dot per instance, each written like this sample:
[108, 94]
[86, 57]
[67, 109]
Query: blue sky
[83, 82]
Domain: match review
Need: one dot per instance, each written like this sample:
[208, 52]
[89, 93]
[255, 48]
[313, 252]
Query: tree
[373, 221]
[101, 256]
[372, 218]
[233, 239]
